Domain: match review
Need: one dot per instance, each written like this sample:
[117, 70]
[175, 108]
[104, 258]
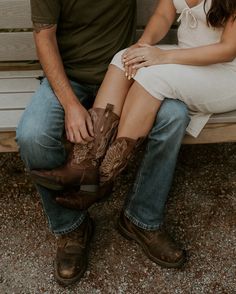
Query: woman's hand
[145, 55]
[78, 124]
[129, 70]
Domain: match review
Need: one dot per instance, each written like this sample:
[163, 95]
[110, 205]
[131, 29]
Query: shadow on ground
[201, 215]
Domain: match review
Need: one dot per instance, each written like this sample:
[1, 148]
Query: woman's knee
[117, 59]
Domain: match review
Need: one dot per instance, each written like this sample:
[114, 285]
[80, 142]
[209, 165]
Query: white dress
[204, 89]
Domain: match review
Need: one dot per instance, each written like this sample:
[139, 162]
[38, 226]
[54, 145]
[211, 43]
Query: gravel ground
[201, 215]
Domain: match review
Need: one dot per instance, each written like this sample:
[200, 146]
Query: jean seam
[139, 180]
[140, 224]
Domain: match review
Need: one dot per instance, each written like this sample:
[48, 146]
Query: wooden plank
[14, 101]
[15, 14]
[214, 133]
[18, 85]
[7, 142]
[227, 117]
[144, 11]
[21, 74]
[20, 65]
[9, 119]
[17, 46]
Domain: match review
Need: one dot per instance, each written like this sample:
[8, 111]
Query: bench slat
[15, 14]
[17, 46]
[22, 85]
[7, 142]
[227, 117]
[9, 119]
[214, 133]
[14, 101]
[21, 74]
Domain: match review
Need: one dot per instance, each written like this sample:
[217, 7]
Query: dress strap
[190, 17]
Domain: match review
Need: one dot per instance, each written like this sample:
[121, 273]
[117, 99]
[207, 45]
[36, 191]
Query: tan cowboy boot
[117, 158]
[82, 167]
[115, 161]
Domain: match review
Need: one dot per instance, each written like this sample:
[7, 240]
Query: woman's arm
[159, 23]
[224, 51]
[158, 26]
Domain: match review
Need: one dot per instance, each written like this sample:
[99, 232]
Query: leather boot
[81, 200]
[157, 245]
[82, 167]
[72, 254]
[115, 161]
[117, 158]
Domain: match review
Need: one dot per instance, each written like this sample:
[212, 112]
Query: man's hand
[78, 124]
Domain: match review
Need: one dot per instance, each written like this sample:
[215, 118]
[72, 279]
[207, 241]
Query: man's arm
[78, 123]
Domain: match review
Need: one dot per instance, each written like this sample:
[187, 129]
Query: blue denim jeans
[39, 136]
[146, 201]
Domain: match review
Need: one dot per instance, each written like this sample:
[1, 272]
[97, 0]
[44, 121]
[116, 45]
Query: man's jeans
[39, 136]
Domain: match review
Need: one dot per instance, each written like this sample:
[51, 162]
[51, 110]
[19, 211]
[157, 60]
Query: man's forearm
[51, 62]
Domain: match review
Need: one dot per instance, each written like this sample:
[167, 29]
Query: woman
[200, 71]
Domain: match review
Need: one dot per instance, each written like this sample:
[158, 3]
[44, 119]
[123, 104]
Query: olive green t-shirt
[89, 32]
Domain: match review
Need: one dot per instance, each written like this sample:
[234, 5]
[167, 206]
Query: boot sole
[58, 187]
[46, 184]
[129, 236]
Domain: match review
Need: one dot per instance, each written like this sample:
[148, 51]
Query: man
[75, 41]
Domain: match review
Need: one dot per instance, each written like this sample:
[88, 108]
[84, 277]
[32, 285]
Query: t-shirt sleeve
[45, 11]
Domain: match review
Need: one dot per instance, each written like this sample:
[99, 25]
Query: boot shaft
[117, 158]
[105, 123]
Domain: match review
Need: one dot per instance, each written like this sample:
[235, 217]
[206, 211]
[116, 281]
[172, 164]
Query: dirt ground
[201, 215]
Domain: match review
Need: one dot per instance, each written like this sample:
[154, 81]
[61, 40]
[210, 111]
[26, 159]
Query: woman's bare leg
[113, 90]
[138, 114]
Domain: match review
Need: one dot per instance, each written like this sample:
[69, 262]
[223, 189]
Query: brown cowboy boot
[117, 158]
[72, 254]
[157, 245]
[82, 167]
[81, 200]
[115, 161]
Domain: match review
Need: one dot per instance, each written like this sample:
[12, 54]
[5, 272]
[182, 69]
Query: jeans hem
[71, 228]
[140, 224]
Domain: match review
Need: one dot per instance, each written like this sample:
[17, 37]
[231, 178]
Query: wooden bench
[20, 72]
